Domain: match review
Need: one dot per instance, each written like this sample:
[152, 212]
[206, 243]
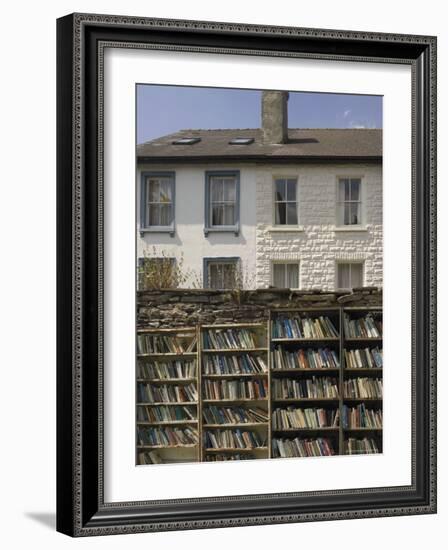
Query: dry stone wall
[177, 308]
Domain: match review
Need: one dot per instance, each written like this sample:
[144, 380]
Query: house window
[349, 201]
[157, 212]
[349, 275]
[285, 201]
[221, 273]
[157, 273]
[222, 201]
[285, 275]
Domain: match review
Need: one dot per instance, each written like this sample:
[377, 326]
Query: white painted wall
[317, 246]
[189, 240]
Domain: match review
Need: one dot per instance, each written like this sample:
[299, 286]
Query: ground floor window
[285, 274]
[349, 275]
[221, 273]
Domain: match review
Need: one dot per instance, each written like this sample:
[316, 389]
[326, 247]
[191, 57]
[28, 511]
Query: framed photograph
[246, 275]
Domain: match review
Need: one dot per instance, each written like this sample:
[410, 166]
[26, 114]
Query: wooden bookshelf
[234, 356]
[167, 363]
[302, 350]
[246, 355]
[364, 342]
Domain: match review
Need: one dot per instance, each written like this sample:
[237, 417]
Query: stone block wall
[179, 307]
[318, 244]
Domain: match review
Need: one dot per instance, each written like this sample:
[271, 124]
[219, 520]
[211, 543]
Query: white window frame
[350, 263]
[285, 262]
[276, 177]
[362, 209]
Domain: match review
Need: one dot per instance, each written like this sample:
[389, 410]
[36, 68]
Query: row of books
[229, 338]
[366, 445]
[232, 439]
[163, 413]
[166, 370]
[297, 447]
[322, 358]
[151, 457]
[315, 387]
[367, 388]
[166, 393]
[221, 457]
[370, 326]
[363, 358]
[233, 415]
[235, 389]
[301, 326]
[361, 417]
[163, 343]
[166, 436]
[234, 364]
[293, 417]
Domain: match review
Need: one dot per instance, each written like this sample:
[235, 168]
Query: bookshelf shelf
[305, 399]
[229, 376]
[304, 371]
[304, 340]
[231, 351]
[237, 400]
[239, 425]
[168, 355]
[168, 423]
[361, 399]
[366, 370]
[190, 446]
[166, 380]
[169, 403]
[234, 449]
[293, 430]
[362, 429]
[362, 340]
[305, 362]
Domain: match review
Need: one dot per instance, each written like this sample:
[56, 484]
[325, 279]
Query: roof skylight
[241, 141]
[186, 141]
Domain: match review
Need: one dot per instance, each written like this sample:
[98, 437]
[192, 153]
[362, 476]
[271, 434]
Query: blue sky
[162, 110]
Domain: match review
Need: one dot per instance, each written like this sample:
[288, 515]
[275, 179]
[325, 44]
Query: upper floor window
[157, 212]
[285, 274]
[349, 201]
[285, 201]
[349, 275]
[222, 201]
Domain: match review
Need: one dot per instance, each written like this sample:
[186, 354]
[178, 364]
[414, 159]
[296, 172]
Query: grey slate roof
[303, 144]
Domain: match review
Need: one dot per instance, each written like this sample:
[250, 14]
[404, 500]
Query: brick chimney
[274, 117]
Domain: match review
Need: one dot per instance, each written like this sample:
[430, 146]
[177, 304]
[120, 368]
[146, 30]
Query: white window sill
[286, 229]
[351, 229]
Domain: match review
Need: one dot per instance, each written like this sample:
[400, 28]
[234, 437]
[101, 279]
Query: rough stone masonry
[181, 308]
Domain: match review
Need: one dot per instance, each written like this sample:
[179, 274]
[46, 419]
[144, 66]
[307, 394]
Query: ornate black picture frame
[81, 509]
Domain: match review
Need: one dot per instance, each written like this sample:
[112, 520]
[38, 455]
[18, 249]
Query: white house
[297, 208]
